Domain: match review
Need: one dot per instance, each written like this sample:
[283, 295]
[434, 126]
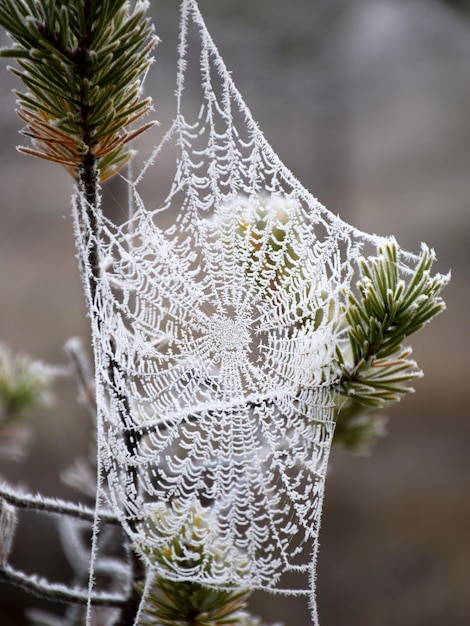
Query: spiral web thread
[215, 320]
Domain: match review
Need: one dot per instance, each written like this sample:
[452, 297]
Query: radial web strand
[215, 321]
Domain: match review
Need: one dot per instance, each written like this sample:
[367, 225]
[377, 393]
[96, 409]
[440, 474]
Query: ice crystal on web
[216, 318]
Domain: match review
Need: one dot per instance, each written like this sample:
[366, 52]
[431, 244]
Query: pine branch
[376, 371]
[54, 506]
[171, 603]
[83, 63]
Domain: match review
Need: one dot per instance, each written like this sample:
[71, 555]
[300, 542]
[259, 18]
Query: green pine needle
[191, 604]
[83, 63]
[376, 370]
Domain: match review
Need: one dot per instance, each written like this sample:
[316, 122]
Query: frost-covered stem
[54, 506]
[89, 181]
[85, 378]
[57, 592]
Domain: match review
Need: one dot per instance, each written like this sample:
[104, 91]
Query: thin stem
[85, 378]
[54, 506]
[56, 592]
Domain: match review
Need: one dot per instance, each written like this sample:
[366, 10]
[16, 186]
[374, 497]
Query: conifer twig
[83, 63]
[386, 310]
[54, 506]
[57, 592]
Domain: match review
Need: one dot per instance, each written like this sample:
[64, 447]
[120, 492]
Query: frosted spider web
[215, 321]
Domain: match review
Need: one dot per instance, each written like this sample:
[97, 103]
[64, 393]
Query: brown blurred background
[368, 102]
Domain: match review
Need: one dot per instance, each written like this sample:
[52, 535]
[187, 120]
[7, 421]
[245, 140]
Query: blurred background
[368, 103]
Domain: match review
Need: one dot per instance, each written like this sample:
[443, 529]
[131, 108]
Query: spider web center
[228, 336]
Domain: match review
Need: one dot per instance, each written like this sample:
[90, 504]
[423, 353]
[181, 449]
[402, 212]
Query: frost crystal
[216, 317]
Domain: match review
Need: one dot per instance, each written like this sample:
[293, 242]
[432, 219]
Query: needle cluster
[376, 369]
[83, 63]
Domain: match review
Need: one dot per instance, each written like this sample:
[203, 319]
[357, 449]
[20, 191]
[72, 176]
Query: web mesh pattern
[215, 321]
